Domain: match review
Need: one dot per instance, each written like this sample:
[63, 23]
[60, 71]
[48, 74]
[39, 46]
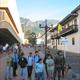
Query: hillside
[27, 24]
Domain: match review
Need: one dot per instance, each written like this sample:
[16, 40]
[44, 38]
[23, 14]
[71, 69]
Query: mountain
[27, 24]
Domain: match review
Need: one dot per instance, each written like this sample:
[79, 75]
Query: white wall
[69, 47]
[79, 29]
[14, 12]
[11, 5]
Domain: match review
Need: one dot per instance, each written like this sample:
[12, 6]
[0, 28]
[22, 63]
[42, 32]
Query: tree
[32, 38]
[27, 34]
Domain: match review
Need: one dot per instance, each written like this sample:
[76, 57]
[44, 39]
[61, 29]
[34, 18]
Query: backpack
[22, 62]
[38, 57]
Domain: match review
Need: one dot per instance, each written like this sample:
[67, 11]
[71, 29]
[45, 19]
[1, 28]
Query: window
[58, 41]
[53, 42]
[75, 21]
[1, 15]
[73, 41]
[67, 25]
[49, 41]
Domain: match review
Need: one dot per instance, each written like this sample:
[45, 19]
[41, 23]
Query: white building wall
[11, 5]
[49, 41]
[14, 12]
[69, 47]
[79, 29]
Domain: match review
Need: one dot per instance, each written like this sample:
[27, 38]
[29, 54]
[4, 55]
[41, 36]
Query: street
[72, 59]
[3, 61]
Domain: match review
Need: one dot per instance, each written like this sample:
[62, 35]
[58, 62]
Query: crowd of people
[4, 48]
[33, 67]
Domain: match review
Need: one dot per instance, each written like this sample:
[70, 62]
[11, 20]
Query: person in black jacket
[63, 62]
[23, 65]
[57, 70]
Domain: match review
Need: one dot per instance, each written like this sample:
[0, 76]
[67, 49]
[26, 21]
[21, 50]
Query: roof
[71, 15]
[68, 17]
[76, 9]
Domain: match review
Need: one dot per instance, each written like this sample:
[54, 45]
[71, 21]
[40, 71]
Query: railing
[71, 29]
[54, 36]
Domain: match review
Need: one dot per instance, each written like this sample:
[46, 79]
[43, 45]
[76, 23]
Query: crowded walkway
[51, 67]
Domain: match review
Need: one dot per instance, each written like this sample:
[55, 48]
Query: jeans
[29, 70]
[39, 76]
[14, 68]
[23, 73]
[57, 71]
[8, 73]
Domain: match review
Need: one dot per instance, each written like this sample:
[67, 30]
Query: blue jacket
[14, 58]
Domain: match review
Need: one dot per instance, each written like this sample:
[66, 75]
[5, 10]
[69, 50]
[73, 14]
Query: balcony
[56, 36]
[71, 29]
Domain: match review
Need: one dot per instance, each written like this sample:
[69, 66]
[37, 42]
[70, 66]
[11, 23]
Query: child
[50, 67]
[8, 70]
[39, 70]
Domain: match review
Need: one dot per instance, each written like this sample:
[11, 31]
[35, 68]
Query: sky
[46, 9]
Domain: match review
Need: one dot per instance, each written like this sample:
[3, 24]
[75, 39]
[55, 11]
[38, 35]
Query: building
[10, 27]
[70, 30]
[49, 40]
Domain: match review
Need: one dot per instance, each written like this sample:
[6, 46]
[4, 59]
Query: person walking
[36, 57]
[50, 67]
[22, 67]
[8, 71]
[57, 70]
[63, 62]
[8, 68]
[39, 70]
[30, 60]
[14, 61]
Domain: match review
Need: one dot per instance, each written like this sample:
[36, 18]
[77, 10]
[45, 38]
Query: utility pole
[45, 27]
[46, 33]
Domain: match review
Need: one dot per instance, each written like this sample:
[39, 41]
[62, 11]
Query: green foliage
[27, 24]
[31, 36]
